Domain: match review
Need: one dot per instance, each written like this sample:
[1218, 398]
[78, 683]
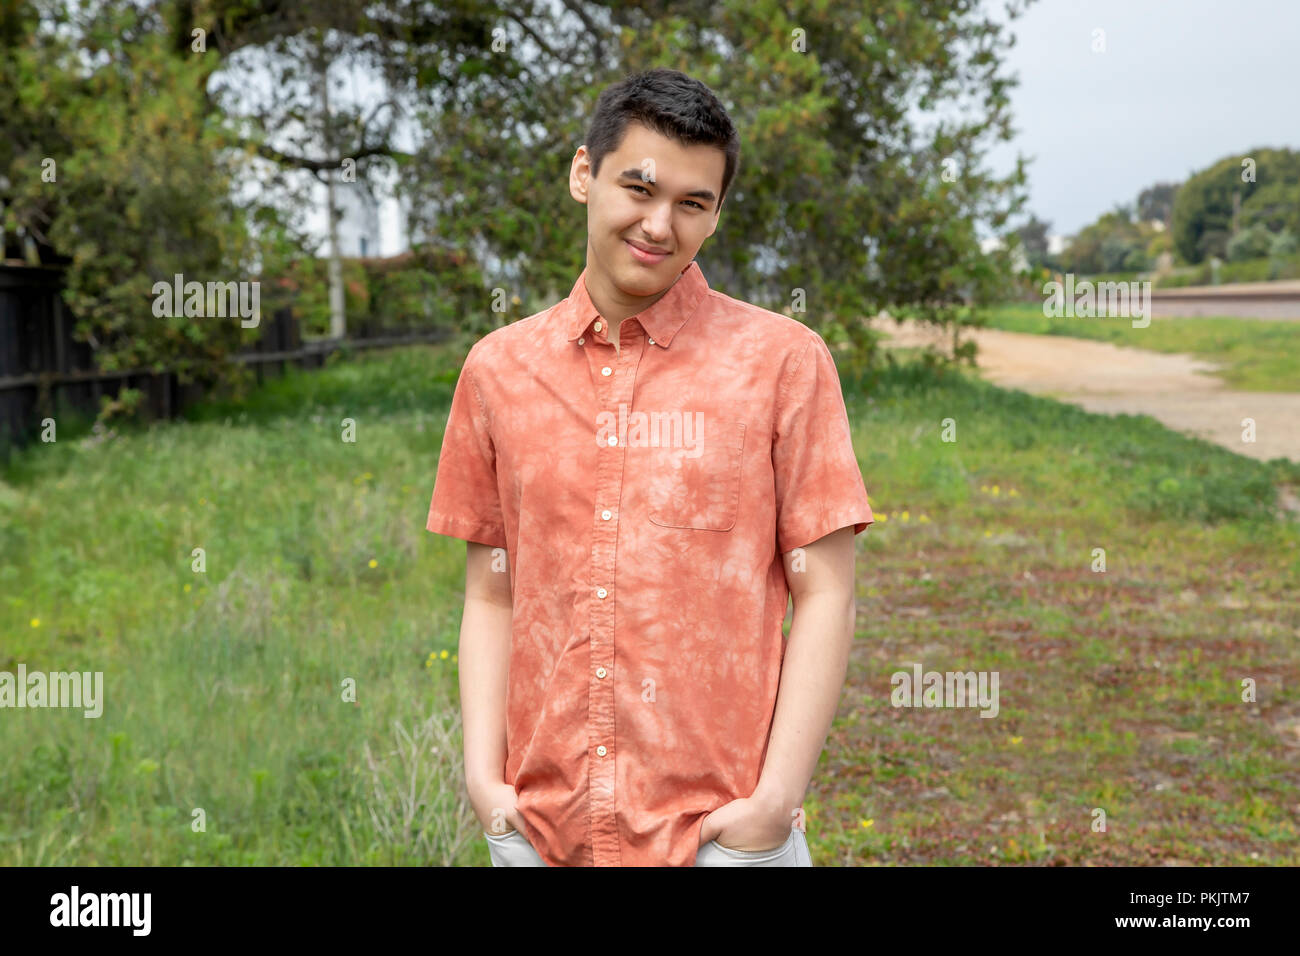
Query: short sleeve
[819, 486]
[466, 503]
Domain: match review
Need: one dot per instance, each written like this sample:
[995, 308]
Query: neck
[614, 305]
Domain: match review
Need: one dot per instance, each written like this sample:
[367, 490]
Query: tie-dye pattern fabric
[644, 498]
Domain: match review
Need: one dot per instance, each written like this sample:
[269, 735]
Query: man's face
[652, 193]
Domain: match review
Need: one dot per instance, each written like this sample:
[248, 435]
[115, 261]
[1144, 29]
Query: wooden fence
[43, 371]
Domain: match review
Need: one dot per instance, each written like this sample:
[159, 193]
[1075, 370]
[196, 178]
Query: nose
[657, 223]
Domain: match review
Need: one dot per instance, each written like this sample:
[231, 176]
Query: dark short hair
[673, 105]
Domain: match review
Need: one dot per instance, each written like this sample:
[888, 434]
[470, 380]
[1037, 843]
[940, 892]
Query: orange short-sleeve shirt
[644, 498]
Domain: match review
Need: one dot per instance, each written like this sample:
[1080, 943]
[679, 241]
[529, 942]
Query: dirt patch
[1179, 391]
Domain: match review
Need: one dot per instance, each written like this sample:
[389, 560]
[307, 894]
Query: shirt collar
[661, 320]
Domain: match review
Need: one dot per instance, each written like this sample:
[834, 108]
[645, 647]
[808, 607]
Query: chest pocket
[698, 487]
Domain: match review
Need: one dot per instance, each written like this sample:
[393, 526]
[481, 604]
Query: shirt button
[606, 515]
[652, 341]
[581, 339]
[613, 439]
[601, 751]
[606, 370]
[597, 326]
[601, 592]
[600, 672]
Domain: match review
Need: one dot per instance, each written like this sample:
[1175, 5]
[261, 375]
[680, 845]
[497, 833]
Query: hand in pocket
[746, 825]
[497, 810]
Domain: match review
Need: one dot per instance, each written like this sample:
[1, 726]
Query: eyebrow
[696, 193]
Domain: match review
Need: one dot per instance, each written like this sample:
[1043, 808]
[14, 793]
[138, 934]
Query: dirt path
[1177, 390]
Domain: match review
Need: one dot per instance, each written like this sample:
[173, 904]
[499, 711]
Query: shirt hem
[808, 536]
[475, 531]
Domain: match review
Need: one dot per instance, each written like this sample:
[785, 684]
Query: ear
[580, 175]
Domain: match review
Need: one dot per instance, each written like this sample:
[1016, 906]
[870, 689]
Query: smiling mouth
[648, 257]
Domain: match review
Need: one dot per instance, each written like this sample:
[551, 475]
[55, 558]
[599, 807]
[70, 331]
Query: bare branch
[575, 6]
[318, 165]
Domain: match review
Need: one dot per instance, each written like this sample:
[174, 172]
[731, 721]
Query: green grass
[1256, 354]
[1120, 690]
[225, 689]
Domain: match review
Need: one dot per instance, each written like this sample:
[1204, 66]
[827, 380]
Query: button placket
[614, 381]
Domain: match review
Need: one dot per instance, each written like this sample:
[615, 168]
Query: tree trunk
[338, 317]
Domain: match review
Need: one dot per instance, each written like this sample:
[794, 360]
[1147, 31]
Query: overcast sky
[1181, 84]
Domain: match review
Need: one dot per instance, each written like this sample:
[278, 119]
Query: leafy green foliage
[1203, 208]
[114, 162]
[1253, 242]
[1116, 242]
[841, 192]
[837, 193]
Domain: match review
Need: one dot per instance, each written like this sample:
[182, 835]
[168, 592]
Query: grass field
[1256, 354]
[1120, 690]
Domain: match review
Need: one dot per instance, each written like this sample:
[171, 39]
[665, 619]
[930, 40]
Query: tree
[110, 164]
[1033, 237]
[1275, 205]
[1111, 244]
[840, 189]
[845, 192]
[298, 122]
[1258, 186]
[1157, 203]
[141, 110]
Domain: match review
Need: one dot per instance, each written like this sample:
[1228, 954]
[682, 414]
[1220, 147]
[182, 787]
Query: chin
[640, 286]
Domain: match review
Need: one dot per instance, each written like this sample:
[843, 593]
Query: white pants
[513, 849]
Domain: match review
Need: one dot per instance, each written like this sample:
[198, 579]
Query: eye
[647, 192]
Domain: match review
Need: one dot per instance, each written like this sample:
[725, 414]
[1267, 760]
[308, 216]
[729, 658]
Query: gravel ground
[1179, 391]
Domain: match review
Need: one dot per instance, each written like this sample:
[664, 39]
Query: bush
[1252, 270]
[1283, 245]
[1251, 243]
[417, 290]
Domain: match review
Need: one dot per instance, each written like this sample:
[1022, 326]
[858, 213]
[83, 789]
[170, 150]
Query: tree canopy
[187, 136]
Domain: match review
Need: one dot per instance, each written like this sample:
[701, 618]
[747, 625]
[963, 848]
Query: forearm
[484, 661]
[812, 679]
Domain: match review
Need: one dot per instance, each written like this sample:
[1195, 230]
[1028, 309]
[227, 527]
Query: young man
[644, 473]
